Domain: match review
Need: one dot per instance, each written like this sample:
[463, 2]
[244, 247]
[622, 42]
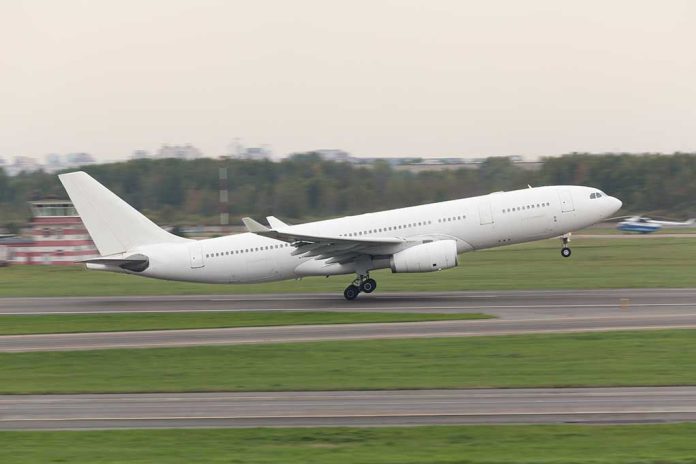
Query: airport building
[56, 236]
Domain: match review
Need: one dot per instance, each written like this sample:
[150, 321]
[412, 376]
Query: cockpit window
[594, 195]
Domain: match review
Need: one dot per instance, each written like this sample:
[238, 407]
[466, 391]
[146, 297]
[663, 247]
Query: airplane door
[566, 201]
[196, 254]
[485, 213]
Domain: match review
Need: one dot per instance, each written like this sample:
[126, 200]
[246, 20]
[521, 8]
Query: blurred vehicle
[646, 225]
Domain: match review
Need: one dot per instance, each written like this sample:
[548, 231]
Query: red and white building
[57, 236]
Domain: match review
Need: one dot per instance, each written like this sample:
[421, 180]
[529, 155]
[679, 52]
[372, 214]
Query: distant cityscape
[55, 162]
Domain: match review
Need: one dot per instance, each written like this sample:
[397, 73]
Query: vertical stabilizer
[115, 226]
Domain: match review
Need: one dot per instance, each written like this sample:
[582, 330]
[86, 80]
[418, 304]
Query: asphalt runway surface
[349, 408]
[517, 312]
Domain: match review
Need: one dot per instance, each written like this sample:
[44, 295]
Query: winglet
[275, 222]
[253, 226]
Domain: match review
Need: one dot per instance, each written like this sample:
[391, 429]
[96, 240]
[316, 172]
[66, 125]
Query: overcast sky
[374, 77]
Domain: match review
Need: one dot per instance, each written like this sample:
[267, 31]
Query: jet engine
[427, 257]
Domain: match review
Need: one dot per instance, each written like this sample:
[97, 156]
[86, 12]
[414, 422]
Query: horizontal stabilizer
[136, 263]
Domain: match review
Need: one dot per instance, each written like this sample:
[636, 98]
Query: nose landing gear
[565, 250]
[362, 283]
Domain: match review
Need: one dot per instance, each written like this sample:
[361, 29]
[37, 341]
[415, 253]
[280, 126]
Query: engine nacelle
[428, 257]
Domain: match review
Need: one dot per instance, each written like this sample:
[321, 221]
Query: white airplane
[417, 239]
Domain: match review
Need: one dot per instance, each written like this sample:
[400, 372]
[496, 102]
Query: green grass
[596, 263]
[528, 444]
[36, 324]
[664, 357]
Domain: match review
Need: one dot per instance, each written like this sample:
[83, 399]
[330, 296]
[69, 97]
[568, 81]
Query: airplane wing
[335, 249]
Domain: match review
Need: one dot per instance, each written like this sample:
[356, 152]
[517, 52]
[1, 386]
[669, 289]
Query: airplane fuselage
[475, 223]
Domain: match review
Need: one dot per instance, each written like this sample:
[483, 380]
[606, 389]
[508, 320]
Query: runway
[509, 304]
[517, 313]
[349, 408]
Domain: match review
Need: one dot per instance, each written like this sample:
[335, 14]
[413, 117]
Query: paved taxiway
[352, 408]
[518, 312]
[508, 304]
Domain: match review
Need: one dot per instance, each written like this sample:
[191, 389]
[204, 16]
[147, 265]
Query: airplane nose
[616, 204]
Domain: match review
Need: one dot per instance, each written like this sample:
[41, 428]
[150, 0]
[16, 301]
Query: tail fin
[115, 226]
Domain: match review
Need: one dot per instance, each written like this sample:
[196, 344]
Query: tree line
[305, 187]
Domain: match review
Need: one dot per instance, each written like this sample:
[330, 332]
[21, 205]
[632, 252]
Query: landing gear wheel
[565, 252]
[368, 286]
[351, 292]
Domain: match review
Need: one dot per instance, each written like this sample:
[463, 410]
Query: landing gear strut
[565, 250]
[362, 283]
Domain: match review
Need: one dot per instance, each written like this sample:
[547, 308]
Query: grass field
[663, 357]
[537, 444]
[596, 263]
[36, 324]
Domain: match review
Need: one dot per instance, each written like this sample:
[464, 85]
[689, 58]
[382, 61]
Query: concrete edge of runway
[388, 421]
[613, 405]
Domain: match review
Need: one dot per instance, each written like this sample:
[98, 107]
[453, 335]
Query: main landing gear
[362, 283]
[565, 250]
